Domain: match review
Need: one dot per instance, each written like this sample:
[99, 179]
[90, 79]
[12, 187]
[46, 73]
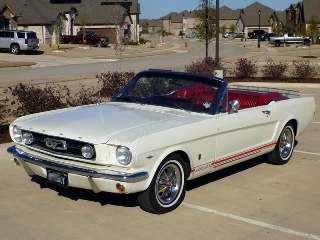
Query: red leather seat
[248, 99]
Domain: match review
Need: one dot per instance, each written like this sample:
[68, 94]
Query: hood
[109, 121]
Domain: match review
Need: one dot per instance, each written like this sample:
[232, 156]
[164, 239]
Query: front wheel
[167, 189]
[282, 153]
[99, 44]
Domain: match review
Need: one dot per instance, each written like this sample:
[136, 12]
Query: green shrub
[142, 41]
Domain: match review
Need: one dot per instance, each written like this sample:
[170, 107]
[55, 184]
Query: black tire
[167, 189]
[277, 44]
[15, 49]
[70, 42]
[282, 152]
[99, 44]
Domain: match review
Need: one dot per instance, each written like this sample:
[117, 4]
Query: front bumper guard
[111, 175]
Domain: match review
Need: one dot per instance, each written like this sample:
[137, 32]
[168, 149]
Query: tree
[145, 27]
[205, 25]
[313, 28]
[223, 29]
[233, 29]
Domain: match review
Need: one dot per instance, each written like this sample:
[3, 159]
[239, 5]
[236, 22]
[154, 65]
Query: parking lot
[251, 200]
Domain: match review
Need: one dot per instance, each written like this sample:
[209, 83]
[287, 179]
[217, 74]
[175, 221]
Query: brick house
[176, 23]
[300, 15]
[249, 18]
[229, 18]
[52, 18]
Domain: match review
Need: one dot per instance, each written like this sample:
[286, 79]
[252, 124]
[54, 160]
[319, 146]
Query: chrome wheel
[167, 188]
[282, 153]
[168, 184]
[286, 143]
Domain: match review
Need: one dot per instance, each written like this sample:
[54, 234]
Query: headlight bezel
[17, 133]
[27, 138]
[123, 155]
[88, 151]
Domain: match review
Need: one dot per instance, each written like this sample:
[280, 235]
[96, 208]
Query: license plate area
[57, 177]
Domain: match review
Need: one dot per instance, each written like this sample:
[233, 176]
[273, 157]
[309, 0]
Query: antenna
[99, 98]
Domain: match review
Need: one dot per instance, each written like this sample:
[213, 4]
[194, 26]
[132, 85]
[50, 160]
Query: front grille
[73, 147]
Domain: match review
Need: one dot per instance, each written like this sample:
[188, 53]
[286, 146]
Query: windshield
[188, 92]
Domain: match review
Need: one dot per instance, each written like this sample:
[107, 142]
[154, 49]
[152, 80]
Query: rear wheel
[282, 153]
[70, 42]
[167, 189]
[307, 42]
[277, 44]
[15, 49]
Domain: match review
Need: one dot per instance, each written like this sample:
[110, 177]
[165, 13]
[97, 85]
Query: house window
[4, 23]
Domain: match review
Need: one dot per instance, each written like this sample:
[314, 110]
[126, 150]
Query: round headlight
[17, 134]
[87, 151]
[124, 155]
[27, 138]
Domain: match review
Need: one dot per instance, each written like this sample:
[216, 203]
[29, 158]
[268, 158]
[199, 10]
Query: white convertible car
[162, 129]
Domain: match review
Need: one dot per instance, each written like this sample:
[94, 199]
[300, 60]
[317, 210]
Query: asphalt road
[251, 200]
[54, 67]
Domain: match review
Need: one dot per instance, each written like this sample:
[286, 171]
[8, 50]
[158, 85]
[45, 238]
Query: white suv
[18, 41]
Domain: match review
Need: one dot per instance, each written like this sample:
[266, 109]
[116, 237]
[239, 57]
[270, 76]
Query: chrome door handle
[267, 112]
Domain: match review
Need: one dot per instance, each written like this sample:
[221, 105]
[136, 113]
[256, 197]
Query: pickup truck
[289, 38]
[255, 33]
[90, 38]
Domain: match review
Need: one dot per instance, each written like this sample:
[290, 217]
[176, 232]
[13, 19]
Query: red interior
[247, 99]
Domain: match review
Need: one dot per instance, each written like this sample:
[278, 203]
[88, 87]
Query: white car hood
[109, 121]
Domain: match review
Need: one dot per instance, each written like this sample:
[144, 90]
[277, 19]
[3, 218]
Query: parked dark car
[255, 33]
[90, 38]
[266, 36]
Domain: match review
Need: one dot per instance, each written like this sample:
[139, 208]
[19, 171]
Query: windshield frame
[217, 105]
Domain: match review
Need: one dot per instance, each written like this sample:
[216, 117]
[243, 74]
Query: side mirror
[234, 106]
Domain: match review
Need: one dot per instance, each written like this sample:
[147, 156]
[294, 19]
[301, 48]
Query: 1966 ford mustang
[162, 129]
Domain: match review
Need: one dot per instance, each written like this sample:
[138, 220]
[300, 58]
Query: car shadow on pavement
[35, 52]
[226, 172]
[75, 194]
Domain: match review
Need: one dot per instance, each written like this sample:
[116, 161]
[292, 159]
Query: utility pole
[207, 28]
[217, 34]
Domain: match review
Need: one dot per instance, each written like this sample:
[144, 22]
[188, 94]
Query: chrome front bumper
[108, 174]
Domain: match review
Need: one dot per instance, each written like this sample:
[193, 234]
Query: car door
[241, 134]
[1, 39]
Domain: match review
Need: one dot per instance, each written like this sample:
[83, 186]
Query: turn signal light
[17, 162]
[120, 187]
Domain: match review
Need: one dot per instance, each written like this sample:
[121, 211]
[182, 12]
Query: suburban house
[278, 21]
[52, 18]
[151, 26]
[229, 18]
[249, 18]
[302, 14]
[179, 23]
